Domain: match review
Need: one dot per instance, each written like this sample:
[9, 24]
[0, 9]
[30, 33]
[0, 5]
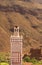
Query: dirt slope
[28, 16]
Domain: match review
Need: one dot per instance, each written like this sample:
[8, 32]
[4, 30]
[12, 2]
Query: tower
[16, 47]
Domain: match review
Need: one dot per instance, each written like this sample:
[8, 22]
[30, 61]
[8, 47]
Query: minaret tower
[16, 47]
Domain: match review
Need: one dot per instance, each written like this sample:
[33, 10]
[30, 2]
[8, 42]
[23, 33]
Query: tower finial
[16, 31]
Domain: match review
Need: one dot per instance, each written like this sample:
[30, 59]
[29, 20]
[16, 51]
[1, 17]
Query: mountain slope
[27, 17]
[38, 1]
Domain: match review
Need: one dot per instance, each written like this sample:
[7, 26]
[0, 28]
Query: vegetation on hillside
[33, 60]
[5, 59]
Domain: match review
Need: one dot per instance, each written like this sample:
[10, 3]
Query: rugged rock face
[28, 16]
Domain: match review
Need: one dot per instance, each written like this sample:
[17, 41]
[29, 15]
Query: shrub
[33, 60]
[26, 59]
[4, 57]
[40, 62]
[4, 63]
